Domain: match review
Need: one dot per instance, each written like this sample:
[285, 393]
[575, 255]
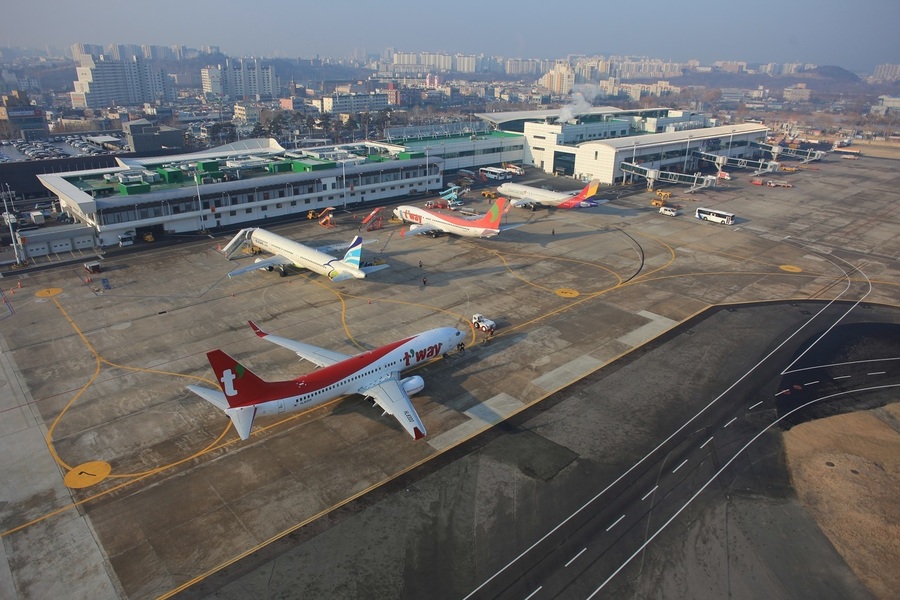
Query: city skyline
[766, 31]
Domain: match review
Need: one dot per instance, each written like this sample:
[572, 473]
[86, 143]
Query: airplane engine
[269, 268]
[413, 385]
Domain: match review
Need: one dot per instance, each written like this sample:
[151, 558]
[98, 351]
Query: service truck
[483, 323]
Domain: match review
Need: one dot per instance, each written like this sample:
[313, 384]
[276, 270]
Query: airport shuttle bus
[716, 216]
[494, 173]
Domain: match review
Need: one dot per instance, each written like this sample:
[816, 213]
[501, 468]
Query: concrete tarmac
[123, 484]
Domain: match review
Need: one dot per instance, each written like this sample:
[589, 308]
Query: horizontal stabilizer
[373, 268]
[214, 397]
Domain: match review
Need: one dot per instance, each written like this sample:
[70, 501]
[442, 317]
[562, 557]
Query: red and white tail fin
[242, 390]
[494, 214]
[583, 197]
[241, 386]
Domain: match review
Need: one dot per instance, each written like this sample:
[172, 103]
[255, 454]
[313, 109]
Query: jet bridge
[697, 181]
[805, 156]
[721, 162]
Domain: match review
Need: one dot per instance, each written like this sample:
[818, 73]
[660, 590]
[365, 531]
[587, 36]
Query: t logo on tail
[227, 380]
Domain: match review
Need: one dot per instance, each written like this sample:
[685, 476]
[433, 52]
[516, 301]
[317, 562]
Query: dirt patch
[877, 149]
[846, 471]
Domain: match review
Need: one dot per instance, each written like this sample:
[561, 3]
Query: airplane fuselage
[539, 195]
[302, 257]
[446, 223]
[353, 375]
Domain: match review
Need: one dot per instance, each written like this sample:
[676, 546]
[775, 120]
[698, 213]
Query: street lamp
[344, 184]
[427, 186]
[686, 153]
[12, 236]
[633, 160]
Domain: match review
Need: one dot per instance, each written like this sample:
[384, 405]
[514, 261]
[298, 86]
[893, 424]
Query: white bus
[494, 173]
[716, 216]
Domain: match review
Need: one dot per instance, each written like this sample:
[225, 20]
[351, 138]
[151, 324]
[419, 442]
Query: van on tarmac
[668, 211]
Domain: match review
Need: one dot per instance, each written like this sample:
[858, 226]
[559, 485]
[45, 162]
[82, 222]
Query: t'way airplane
[526, 196]
[428, 221]
[374, 374]
[288, 252]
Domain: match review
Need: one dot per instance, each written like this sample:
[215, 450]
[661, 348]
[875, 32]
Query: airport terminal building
[594, 144]
[248, 181]
[256, 180]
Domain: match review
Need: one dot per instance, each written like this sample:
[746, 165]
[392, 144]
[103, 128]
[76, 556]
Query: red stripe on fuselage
[320, 378]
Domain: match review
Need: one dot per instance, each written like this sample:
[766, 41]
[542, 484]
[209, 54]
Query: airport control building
[256, 180]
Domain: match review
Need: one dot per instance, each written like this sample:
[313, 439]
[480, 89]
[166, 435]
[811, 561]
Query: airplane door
[280, 406]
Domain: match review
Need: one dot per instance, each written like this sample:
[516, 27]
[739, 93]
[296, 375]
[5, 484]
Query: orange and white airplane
[433, 222]
[374, 374]
[527, 196]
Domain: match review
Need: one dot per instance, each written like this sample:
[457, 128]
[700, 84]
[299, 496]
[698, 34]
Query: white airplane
[526, 196]
[374, 374]
[288, 252]
[428, 221]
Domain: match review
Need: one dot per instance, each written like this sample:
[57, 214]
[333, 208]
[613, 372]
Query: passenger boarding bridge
[805, 156]
[697, 181]
[721, 162]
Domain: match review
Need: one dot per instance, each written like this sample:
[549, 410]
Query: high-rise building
[353, 103]
[560, 79]
[465, 63]
[887, 72]
[103, 83]
[244, 79]
[80, 51]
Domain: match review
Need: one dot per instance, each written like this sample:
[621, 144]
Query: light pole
[686, 153]
[12, 236]
[633, 160]
[344, 184]
[200, 201]
[427, 185]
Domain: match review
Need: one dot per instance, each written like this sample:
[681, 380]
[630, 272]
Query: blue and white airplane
[287, 252]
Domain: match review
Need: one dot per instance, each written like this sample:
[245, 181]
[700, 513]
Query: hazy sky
[854, 34]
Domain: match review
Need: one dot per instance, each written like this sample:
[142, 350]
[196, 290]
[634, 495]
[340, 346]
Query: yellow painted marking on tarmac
[502, 257]
[214, 445]
[790, 268]
[567, 293]
[87, 474]
[374, 301]
[48, 292]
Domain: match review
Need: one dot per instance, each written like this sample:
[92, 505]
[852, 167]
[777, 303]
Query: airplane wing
[265, 263]
[524, 203]
[392, 398]
[314, 354]
[422, 228]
